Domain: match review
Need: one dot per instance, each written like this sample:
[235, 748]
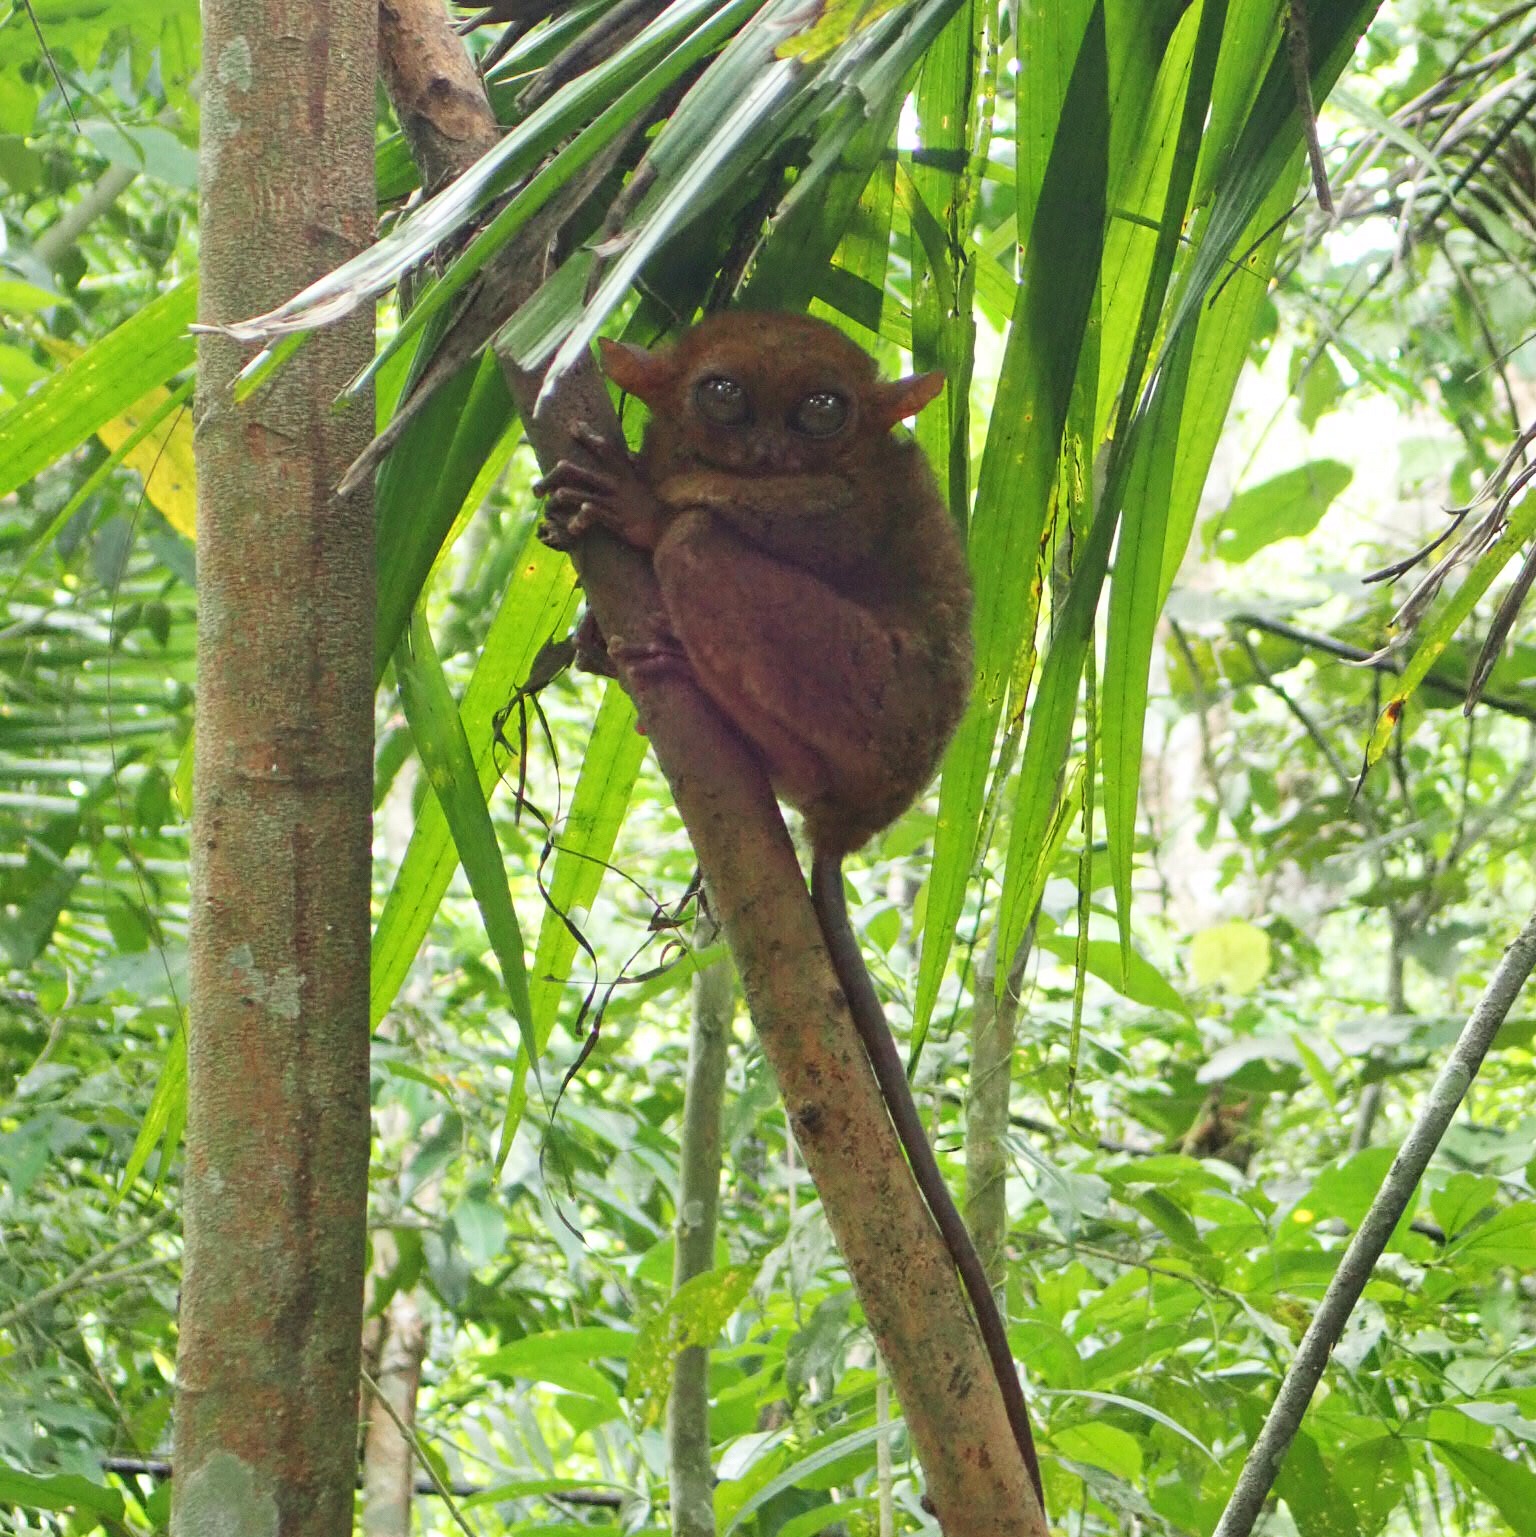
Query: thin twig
[1435, 683]
[1298, 46]
[82, 1272]
[408, 1433]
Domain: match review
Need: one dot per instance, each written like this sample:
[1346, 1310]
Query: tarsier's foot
[572, 492]
[661, 656]
[606, 494]
[591, 647]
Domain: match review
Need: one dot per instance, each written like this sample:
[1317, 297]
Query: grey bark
[698, 1209]
[277, 1098]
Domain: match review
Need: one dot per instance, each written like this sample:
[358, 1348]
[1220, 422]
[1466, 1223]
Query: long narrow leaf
[610, 763]
[1018, 465]
[569, 162]
[1221, 349]
[1134, 602]
[539, 601]
[674, 207]
[372, 271]
[1134, 606]
[1441, 630]
[449, 763]
[585, 840]
[174, 400]
[423, 485]
[1270, 134]
[108, 377]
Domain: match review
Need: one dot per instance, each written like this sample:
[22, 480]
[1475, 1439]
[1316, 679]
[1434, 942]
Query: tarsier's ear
[899, 398]
[636, 371]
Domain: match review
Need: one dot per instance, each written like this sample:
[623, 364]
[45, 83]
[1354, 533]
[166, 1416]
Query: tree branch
[1365, 1248]
[691, 1474]
[899, 1265]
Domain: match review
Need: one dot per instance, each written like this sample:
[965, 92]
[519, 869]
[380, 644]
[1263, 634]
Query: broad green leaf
[694, 1315]
[1506, 1238]
[1140, 981]
[1136, 1406]
[103, 382]
[449, 762]
[1102, 1445]
[79, 31]
[1509, 1486]
[1346, 1187]
[1282, 507]
[536, 1352]
[1319, 1507]
[1461, 1200]
[60, 1491]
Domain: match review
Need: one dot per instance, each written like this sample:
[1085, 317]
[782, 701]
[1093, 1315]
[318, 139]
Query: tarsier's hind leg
[815, 680]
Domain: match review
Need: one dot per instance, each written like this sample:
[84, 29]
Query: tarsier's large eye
[722, 400]
[820, 414]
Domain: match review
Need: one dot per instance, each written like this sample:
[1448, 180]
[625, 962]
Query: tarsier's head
[766, 394]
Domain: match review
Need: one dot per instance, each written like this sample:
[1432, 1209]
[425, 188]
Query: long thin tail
[880, 1047]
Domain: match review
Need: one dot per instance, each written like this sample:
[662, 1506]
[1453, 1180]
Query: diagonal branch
[1445, 1096]
[899, 1265]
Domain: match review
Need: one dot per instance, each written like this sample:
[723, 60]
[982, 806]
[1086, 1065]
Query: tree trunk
[388, 1456]
[993, 1023]
[698, 1208]
[277, 1108]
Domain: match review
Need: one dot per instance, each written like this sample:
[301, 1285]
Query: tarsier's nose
[767, 453]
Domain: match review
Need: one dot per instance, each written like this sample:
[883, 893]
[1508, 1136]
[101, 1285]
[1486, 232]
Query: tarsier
[816, 591]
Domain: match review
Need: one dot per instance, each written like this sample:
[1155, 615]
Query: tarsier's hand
[609, 493]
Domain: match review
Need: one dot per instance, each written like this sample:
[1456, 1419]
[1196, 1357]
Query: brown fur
[816, 586]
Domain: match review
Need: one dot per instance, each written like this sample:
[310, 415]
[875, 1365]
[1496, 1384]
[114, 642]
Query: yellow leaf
[163, 459]
[1232, 955]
